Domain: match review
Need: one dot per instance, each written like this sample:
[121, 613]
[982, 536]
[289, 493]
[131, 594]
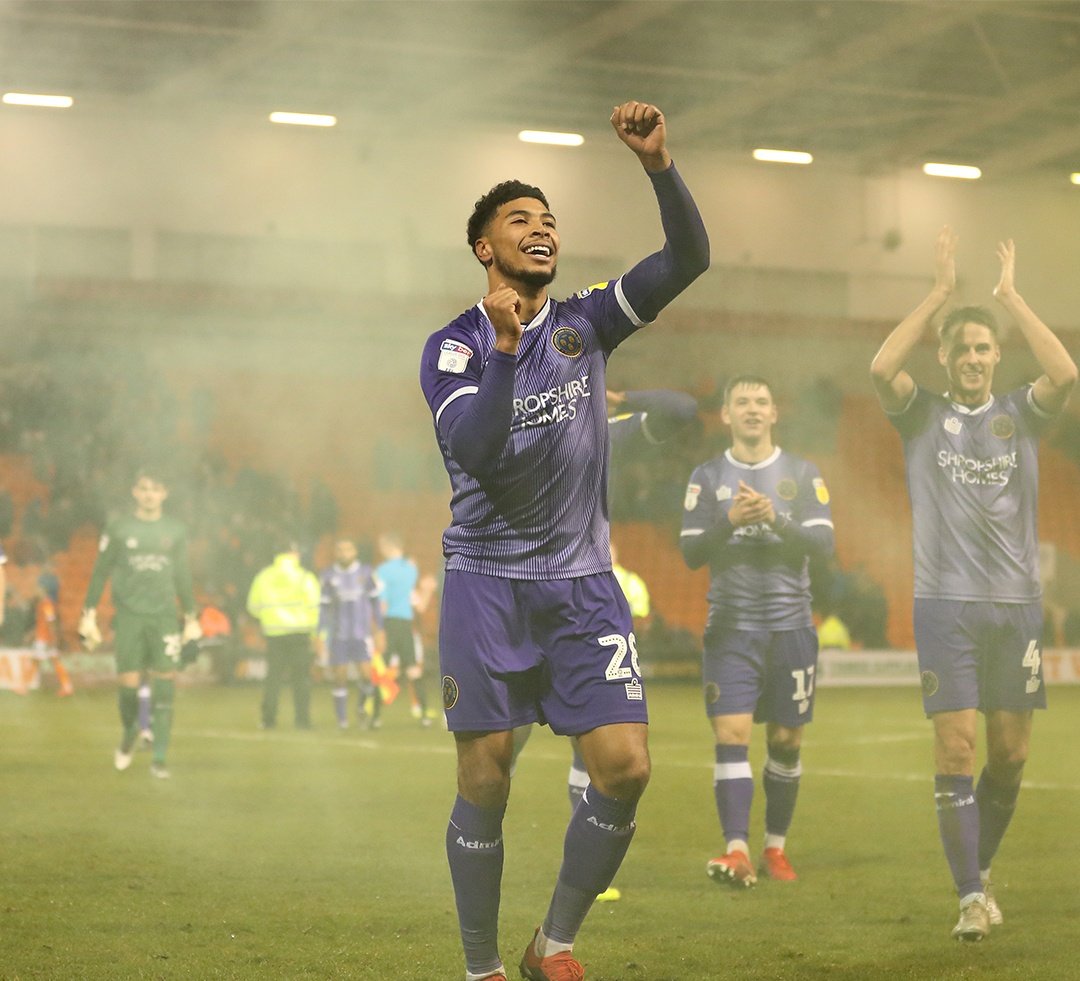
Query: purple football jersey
[973, 479]
[349, 608]
[758, 581]
[541, 512]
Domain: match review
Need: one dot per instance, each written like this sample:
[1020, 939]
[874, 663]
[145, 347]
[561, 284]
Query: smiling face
[520, 243]
[750, 411]
[969, 357]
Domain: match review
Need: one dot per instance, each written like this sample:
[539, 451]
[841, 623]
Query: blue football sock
[733, 785]
[997, 802]
[597, 838]
[780, 781]
[958, 822]
[474, 848]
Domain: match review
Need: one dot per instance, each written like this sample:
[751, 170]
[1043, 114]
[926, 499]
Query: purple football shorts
[769, 673]
[979, 655]
[349, 650]
[557, 651]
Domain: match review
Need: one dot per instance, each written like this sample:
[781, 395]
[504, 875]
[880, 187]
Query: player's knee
[625, 779]
[1006, 763]
[485, 787]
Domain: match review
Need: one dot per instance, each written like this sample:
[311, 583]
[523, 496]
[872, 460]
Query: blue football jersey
[541, 512]
[759, 581]
[973, 480]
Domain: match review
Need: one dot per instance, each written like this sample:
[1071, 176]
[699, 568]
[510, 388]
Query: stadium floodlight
[302, 119]
[960, 171]
[45, 101]
[1075, 178]
[554, 139]
[783, 156]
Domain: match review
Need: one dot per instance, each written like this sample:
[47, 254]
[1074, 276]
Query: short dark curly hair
[485, 208]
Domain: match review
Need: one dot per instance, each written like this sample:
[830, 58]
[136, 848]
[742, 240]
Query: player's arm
[663, 413]
[809, 528]
[655, 281]
[707, 527]
[326, 602]
[893, 385]
[474, 406]
[1051, 390]
[374, 591]
[185, 591]
[88, 628]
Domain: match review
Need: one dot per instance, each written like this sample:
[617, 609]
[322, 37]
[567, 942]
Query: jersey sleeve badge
[693, 492]
[581, 294]
[821, 492]
[454, 356]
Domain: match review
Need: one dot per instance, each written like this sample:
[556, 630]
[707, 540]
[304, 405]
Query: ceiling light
[1075, 178]
[952, 170]
[302, 119]
[783, 156]
[48, 101]
[555, 139]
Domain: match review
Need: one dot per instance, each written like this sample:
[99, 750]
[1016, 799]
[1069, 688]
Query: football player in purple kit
[350, 620]
[972, 475]
[533, 625]
[756, 515]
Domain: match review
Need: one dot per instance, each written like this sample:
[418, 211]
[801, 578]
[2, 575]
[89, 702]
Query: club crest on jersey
[693, 492]
[821, 492]
[454, 356]
[581, 294]
[953, 425]
[450, 692]
[1002, 426]
[787, 489]
[567, 341]
[723, 493]
[930, 683]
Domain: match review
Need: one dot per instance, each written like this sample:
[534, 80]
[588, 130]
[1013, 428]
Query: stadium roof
[868, 86]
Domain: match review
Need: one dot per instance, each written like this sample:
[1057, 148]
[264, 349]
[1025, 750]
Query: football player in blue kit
[972, 474]
[534, 626]
[756, 515]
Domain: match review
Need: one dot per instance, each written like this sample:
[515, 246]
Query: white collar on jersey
[771, 458]
[967, 410]
[536, 321]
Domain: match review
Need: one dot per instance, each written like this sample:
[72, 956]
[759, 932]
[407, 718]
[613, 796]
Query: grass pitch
[319, 855]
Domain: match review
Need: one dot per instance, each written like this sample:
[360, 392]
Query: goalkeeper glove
[192, 630]
[189, 640]
[89, 632]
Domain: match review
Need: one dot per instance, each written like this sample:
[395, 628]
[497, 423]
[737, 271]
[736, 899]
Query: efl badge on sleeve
[821, 492]
[693, 492]
[588, 289]
[454, 356]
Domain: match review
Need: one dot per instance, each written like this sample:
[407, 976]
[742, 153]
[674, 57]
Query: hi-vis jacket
[284, 598]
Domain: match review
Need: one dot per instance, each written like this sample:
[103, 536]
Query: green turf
[320, 855]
